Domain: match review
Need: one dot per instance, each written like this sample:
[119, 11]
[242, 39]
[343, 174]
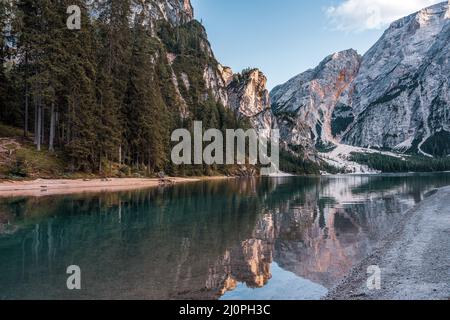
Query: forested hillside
[110, 94]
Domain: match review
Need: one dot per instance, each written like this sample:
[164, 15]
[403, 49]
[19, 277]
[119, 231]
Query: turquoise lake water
[286, 238]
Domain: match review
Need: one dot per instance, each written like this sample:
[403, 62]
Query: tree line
[410, 163]
[103, 94]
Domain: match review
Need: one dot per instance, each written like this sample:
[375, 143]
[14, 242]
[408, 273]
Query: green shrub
[19, 169]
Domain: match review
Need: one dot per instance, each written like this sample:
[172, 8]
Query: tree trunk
[36, 118]
[58, 132]
[51, 140]
[27, 97]
[42, 123]
[25, 127]
[149, 162]
[39, 127]
[100, 169]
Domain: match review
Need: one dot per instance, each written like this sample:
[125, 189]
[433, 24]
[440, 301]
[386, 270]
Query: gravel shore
[414, 259]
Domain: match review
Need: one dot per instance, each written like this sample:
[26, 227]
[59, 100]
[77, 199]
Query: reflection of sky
[284, 285]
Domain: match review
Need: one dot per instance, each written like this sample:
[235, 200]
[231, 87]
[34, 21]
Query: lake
[281, 238]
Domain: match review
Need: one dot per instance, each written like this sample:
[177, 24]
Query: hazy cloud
[360, 15]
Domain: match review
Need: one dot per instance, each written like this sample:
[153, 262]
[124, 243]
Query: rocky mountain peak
[175, 12]
[401, 95]
[248, 93]
[394, 97]
[425, 17]
[433, 14]
[447, 14]
[337, 68]
[249, 98]
[226, 73]
[305, 105]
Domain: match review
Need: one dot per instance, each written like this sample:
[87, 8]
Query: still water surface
[289, 238]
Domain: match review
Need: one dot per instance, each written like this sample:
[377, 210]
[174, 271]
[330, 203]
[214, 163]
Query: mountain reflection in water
[290, 238]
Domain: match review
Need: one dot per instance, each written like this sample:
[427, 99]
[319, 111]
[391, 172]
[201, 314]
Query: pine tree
[28, 27]
[43, 52]
[104, 93]
[3, 80]
[147, 115]
[7, 112]
[114, 50]
[80, 115]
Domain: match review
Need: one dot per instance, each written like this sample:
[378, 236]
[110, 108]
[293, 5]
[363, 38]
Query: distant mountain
[397, 96]
[307, 106]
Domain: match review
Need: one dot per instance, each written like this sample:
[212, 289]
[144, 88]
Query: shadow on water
[289, 238]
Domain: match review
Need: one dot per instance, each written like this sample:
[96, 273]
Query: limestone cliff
[249, 98]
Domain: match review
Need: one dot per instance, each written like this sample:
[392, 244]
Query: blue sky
[286, 37]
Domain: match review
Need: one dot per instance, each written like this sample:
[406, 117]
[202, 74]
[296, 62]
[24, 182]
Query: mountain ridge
[148, 69]
[397, 99]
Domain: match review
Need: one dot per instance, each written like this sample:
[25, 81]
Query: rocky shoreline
[414, 259]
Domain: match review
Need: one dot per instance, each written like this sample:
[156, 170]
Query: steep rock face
[249, 98]
[401, 96]
[176, 12]
[307, 106]
[217, 79]
[226, 73]
[215, 82]
[196, 75]
[395, 97]
[246, 95]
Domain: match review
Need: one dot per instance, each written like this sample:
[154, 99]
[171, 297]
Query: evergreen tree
[113, 56]
[106, 93]
[80, 116]
[7, 111]
[148, 120]
[3, 80]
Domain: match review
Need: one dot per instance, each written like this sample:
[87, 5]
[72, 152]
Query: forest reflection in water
[289, 238]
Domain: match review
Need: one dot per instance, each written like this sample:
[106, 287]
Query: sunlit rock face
[401, 95]
[216, 82]
[176, 12]
[226, 73]
[245, 93]
[307, 106]
[249, 98]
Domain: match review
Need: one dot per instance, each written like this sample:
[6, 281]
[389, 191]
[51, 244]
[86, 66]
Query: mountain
[175, 12]
[245, 93]
[107, 100]
[146, 69]
[249, 98]
[305, 106]
[402, 93]
[395, 97]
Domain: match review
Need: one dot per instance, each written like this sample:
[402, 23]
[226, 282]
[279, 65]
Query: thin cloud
[361, 15]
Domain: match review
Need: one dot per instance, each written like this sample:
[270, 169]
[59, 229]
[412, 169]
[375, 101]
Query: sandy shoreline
[414, 259]
[44, 187]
